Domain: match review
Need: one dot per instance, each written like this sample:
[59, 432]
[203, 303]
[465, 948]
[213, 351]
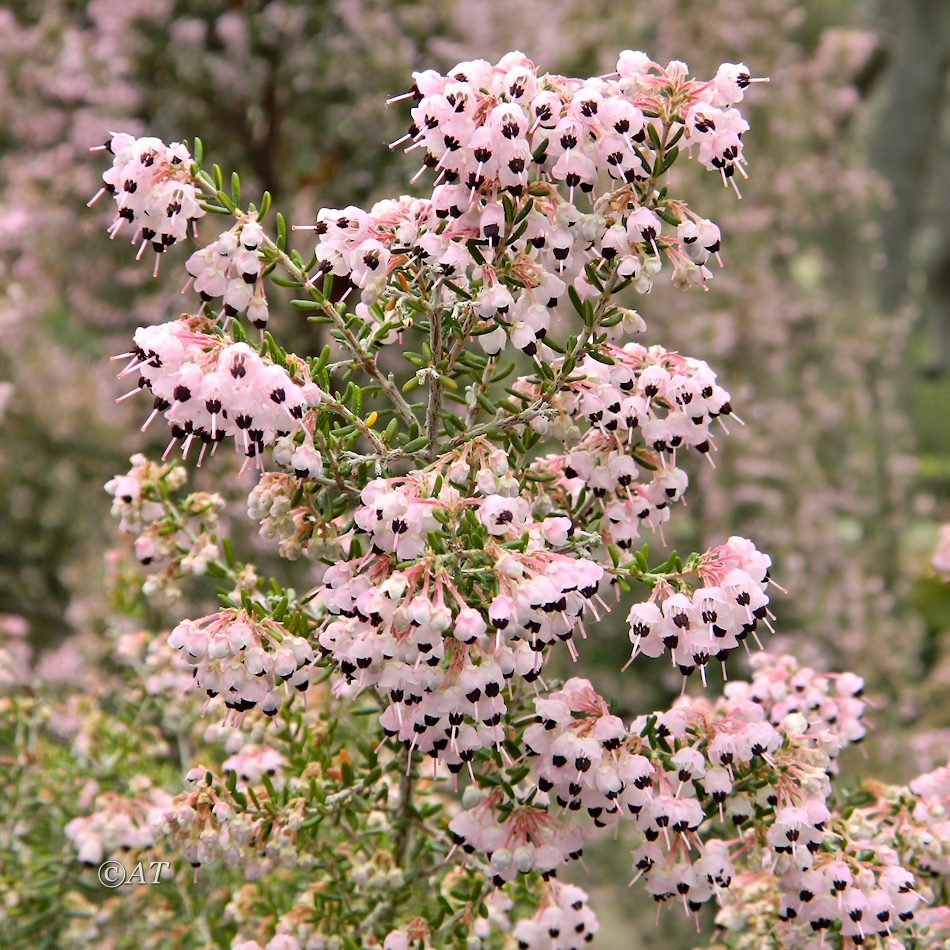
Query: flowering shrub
[398, 757]
[73, 72]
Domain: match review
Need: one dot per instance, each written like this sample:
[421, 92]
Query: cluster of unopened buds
[270, 503]
[278, 505]
[710, 621]
[210, 389]
[230, 269]
[153, 190]
[207, 826]
[501, 235]
[119, 824]
[168, 542]
[250, 663]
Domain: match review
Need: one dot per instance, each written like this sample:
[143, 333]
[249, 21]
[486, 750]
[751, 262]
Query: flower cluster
[708, 761]
[443, 664]
[230, 268]
[166, 541]
[930, 814]
[119, 824]
[639, 409]
[270, 503]
[580, 754]
[136, 496]
[516, 838]
[877, 876]
[747, 756]
[876, 901]
[827, 707]
[669, 774]
[562, 922]
[442, 658]
[209, 389]
[486, 126]
[153, 190]
[470, 552]
[666, 399]
[501, 236]
[161, 670]
[709, 621]
[254, 761]
[244, 660]
[207, 825]
[615, 776]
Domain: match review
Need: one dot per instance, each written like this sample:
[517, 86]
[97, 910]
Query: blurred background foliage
[830, 323]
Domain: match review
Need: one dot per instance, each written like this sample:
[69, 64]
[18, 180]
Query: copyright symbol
[111, 874]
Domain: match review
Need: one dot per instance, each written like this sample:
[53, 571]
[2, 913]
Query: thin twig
[435, 385]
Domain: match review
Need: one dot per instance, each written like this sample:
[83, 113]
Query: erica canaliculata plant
[472, 464]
